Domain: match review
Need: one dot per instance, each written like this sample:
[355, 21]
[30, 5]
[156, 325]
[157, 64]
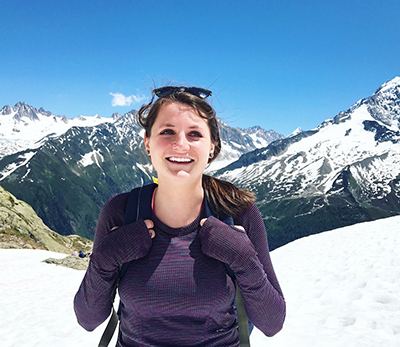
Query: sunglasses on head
[166, 91]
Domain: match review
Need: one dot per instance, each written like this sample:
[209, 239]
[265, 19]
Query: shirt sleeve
[260, 289]
[94, 300]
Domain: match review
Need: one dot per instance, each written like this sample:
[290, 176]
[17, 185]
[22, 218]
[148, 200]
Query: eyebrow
[169, 125]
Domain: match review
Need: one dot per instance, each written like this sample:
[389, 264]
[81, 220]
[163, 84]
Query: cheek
[205, 152]
[155, 143]
[161, 144]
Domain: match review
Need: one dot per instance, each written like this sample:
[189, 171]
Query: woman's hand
[223, 242]
[124, 244]
[149, 224]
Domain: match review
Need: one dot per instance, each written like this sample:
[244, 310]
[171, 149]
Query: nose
[181, 143]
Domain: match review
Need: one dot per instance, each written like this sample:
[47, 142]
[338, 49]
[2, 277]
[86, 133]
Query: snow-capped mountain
[23, 126]
[69, 177]
[237, 141]
[345, 171]
[66, 169]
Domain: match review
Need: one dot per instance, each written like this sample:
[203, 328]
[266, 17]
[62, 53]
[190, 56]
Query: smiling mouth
[179, 160]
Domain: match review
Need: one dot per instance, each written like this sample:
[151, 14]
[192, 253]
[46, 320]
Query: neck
[177, 205]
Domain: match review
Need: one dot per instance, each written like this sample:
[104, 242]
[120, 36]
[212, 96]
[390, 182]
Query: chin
[185, 176]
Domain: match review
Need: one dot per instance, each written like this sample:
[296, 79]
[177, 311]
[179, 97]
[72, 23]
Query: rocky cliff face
[20, 227]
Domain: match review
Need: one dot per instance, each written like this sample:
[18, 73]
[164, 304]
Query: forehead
[173, 113]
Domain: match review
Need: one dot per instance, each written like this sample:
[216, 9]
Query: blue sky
[278, 64]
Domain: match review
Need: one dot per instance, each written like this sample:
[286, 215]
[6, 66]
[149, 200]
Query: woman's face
[180, 143]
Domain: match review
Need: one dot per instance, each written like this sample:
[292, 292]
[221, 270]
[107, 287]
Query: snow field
[36, 301]
[341, 287]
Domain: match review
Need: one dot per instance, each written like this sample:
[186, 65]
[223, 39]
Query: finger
[152, 233]
[149, 223]
[239, 227]
[203, 221]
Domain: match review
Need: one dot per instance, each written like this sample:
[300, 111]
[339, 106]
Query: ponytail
[225, 197]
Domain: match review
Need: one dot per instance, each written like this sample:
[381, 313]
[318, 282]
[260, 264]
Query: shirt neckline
[175, 231]
[191, 227]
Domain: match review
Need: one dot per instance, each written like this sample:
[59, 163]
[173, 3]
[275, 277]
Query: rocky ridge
[20, 227]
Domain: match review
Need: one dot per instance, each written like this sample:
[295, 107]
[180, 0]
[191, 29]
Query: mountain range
[67, 168]
[345, 171]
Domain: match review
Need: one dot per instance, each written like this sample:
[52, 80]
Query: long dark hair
[224, 196]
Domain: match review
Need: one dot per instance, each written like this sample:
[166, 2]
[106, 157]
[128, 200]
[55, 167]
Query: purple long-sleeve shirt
[173, 294]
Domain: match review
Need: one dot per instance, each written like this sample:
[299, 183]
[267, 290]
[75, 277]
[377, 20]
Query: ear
[146, 143]
[212, 148]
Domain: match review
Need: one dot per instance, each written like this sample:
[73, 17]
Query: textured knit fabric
[177, 291]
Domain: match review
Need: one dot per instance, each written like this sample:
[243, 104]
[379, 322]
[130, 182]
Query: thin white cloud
[122, 100]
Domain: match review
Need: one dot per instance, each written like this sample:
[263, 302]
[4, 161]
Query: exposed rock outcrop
[70, 261]
[20, 227]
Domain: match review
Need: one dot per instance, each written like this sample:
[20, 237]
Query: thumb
[149, 224]
[203, 221]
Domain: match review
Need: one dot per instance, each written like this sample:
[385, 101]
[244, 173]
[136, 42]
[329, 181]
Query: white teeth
[180, 160]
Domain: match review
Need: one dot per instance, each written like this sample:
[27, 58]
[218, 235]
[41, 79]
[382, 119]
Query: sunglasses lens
[166, 91]
[199, 92]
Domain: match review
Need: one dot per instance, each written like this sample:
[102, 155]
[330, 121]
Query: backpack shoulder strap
[209, 211]
[137, 207]
[245, 326]
[139, 203]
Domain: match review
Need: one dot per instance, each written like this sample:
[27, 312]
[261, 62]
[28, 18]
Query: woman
[177, 290]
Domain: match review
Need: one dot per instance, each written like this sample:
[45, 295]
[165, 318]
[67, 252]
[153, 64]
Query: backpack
[139, 207]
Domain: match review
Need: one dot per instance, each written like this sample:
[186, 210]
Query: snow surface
[341, 287]
[92, 158]
[389, 85]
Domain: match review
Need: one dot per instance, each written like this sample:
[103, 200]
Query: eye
[196, 134]
[167, 132]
